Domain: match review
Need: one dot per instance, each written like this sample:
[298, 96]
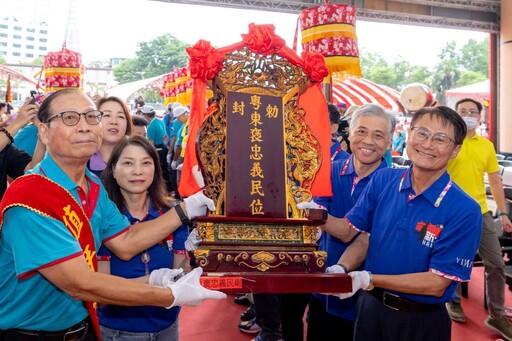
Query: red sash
[44, 196]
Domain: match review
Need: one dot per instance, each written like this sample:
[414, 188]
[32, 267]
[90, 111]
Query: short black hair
[334, 113]
[138, 120]
[448, 116]
[479, 105]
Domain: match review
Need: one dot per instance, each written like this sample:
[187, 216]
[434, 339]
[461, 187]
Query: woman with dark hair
[134, 182]
[116, 122]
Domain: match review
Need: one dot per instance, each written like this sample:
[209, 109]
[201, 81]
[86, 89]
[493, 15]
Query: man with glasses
[477, 157]
[53, 220]
[423, 234]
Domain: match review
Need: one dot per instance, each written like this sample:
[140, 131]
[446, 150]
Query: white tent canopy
[127, 90]
[479, 91]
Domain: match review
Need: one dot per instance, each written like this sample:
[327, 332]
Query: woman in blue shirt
[134, 182]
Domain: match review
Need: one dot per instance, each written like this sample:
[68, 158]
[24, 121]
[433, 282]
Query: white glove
[360, 280]
[335, 269]
[197, 203]
[163, 277]
[188, 291]
[168, 159]
[174, 163]
[192, 241]
[179, 167]
[309, 204]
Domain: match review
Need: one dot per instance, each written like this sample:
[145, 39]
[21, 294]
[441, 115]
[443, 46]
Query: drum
[416, 96]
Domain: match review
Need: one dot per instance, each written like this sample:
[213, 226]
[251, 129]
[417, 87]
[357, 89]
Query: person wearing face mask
[476, 157]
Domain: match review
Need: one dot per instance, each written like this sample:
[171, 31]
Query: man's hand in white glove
[360, 280]
[309, 205]
[168, 159]
[197, 203]
[192, 241]
[174, 163]
[163, 277]
[335, 269]
[188, 291]
[179, 167]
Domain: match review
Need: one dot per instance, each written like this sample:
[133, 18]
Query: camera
[33, 94]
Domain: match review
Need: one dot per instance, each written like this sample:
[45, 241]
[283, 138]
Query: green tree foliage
[456, 67]
[156, 57]
[474, 56]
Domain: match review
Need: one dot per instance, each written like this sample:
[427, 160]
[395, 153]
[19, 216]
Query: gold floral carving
[248, 72]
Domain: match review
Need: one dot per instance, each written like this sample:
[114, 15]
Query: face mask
[471, 122]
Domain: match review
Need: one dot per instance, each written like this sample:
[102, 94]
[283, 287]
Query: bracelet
[502, 214]
[183, 217]
[6, 132]
[343, 267]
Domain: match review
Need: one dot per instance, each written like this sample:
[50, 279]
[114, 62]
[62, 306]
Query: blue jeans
[168, 334]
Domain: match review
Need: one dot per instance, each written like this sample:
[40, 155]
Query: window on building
[42, 48]
[43, 40]
[17, 28]
[43, 31]
[4, 26]
[3, 35]
[16, 46]
[31, 30]
[29, 55]
[30, 47]
[16, 36]
[3, 43]
[3, 52]
[16, 54]
[30, 38]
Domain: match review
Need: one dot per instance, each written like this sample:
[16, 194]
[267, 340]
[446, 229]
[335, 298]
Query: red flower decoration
[205, 61]
[262, 39]
[314, 66]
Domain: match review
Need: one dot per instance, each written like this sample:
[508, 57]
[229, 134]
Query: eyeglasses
[464, 112]
[71, 118]
[440, 140]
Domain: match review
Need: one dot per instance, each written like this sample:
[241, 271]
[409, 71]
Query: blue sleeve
[180, 236]
[110, 220]
[457, 245]
[38, 240]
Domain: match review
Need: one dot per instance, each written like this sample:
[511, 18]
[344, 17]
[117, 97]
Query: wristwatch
[503, 214]
[370, 285]
[183, 217]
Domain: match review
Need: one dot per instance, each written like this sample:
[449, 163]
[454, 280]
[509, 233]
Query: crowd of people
[99, 247]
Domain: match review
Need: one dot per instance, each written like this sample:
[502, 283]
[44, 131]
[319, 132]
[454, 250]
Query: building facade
[22, 41]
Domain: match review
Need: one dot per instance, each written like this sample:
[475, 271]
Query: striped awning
[358, 91]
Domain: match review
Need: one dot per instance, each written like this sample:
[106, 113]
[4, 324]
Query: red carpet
[218, 320]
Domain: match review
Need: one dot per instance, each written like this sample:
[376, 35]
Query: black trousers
[162, 155]
[280, 316]
[377, 322]
[323, 326]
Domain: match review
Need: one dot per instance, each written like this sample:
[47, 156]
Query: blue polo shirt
[26, 138]
[176, 128]
[438, 230]
[140, 319]
[29, 241]
[156, 132]
[346, 188]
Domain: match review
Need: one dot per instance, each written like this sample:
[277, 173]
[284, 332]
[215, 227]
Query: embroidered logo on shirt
[428, 233]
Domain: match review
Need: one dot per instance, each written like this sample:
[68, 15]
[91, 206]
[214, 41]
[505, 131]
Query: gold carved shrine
[259, 159]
